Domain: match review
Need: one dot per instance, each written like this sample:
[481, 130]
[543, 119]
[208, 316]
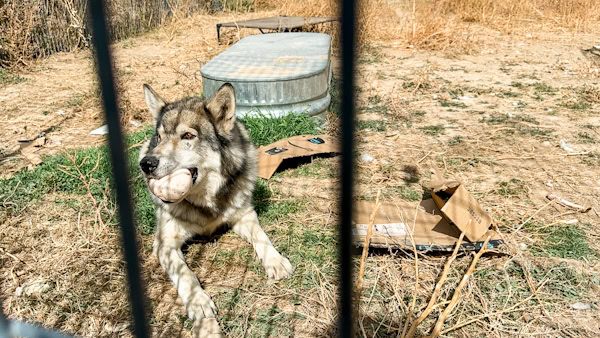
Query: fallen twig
[454, 301]
[416, 291]
[436, 291]
[568, 204]
[84, 180]
[363, 258]
[485, 315]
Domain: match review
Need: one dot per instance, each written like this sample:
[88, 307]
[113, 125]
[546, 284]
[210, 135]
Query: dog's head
[187, 134]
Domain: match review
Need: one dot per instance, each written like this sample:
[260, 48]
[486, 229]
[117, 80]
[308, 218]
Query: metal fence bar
[119, 165]
[345, 323]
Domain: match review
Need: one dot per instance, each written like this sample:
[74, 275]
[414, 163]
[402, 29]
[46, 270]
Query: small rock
[521, 212]
[529, 36]
[546, 144]
[364, 140]
[511, 115]
[389, 144]
[549, 110]
[581, 306]
[549, 184]
[60, 112]
[435, 96]
[515, 104]
[366, 158]
[523, 246]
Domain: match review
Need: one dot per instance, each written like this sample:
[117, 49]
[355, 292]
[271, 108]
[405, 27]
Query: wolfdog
[204, 142]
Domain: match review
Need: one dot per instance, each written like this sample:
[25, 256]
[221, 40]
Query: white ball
[172, 188]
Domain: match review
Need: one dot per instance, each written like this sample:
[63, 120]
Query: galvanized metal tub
[274, 74]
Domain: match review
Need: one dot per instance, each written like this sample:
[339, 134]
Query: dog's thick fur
[222, 161]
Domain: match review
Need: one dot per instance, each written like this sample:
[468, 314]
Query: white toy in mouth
[172, 188]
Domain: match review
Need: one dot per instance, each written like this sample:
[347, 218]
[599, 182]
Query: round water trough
[274, 74]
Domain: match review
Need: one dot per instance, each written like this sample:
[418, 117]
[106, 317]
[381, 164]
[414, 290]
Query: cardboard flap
[439, 183]
[271, 156]
[460, 208]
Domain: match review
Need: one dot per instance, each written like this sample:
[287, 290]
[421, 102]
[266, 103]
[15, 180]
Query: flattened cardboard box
[437, 222]
[271, 156]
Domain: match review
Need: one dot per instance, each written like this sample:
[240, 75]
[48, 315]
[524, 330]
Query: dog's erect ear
[222, 108]
[154, 102]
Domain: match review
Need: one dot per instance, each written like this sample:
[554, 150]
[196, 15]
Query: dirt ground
[492, 119]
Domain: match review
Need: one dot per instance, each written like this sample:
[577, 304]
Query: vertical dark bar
[348, 9]
[119, 165]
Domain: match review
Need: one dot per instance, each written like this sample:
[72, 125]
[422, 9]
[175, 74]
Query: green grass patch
[445, 103]
[264, 130]
[433, 130]
[375, 104]
[405, 192]
[513, 187]
[585, 137]
[456, 140]
[372, 125]
[28, 186]
[562, 241]
[576, 105]
[8, 78]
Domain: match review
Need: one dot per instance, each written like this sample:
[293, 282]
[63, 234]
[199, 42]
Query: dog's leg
[276, 266]
[167, 246]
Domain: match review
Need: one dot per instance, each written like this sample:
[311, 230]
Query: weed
[576, 105]
[375, 104]
[585, 137]
[509, 93]
[403, 191]
[541, 87]
[372, 125]
[433, 130]
[455, 140]
[563, 242]
[445, 103]
[513, 187]
[7, 78]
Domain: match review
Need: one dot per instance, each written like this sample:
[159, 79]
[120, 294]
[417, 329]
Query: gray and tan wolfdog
[205, 138]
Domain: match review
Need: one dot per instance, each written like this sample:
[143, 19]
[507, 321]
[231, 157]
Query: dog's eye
[187, 136]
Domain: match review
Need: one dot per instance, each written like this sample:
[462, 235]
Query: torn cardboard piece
[270, 157]
[435, 223]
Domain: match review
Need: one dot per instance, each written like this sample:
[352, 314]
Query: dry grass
[491, 120]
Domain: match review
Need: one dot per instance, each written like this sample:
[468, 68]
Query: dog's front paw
[206, 328]
[278, 267]
[200, 306]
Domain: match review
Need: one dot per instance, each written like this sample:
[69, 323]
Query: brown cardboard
[271, 156]
[435, 223]
[462, 210]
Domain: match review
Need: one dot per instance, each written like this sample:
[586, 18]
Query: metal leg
[260, 29]
[219, 32]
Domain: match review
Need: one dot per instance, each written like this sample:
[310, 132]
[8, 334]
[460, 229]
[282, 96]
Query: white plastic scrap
[366, 158]
[566, 147]
[581, 306]
[100, 131]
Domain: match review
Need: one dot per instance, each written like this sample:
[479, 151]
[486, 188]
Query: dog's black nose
[148, 164]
